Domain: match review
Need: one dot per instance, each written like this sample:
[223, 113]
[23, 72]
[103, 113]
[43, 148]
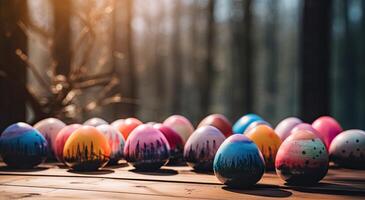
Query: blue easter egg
[22, 146]
[238, 162]
[242, 124]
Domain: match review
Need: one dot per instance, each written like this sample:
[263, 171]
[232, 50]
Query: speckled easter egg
[241, 125]
[180, 125]
[61, 139]
[115, 140]
[238, 162]
[328, 129]
[302, 159]
[50, 128]
[284, 128]
[126, 126]
[146, 148]
[201, 147]
[267, 141]
[175, 141]
[86, 149]
[257, 123]
[22, 146]
[95, 122]
[220, 122]
[348, 149]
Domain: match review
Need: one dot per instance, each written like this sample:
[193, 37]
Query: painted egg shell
[302, 159]
[117, 123]
[241, 125]
[22, 146]
[49, 128]
[348, 149]
[86, 149]
[256, 123]
[127, 126]
[61, 139]
[115, 140]
[305, 127]
[328, 129]
[283, 129]
[201, 147]
[238, 162]
[95, 122]
[180, 125]
[175, 141]
[267, 141]
[146, 148]
[220, 122]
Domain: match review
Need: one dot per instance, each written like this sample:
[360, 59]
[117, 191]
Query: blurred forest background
[153, 58]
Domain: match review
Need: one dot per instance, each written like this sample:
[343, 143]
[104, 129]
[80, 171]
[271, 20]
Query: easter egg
[175, 141]
[256, 123]
[95, 122]
[238, 162]
[220, 122]
[180, 125]
[61, 139]
[302, 159]
[117, 123]
[283, 129]
[267, 141]
[146, 148]
[348, 149]
[328, 128]
[241, 125]
[22, 146]
[49, 128]
[305, 127]
[86, 149]
[115, 140]
[201, 147]
[127, 126]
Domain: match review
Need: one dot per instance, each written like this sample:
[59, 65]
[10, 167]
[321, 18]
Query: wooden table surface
[51, 181]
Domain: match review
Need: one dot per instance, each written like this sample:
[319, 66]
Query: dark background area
[151, 59]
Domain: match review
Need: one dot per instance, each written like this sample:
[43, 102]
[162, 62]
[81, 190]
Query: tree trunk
[12, 69]
[315, 59]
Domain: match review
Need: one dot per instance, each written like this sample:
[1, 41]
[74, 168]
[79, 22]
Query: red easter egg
[220, 122]
[61, 139]
[328, 129]
[127, 126]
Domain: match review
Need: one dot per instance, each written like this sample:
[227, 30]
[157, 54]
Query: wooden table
[51, 181]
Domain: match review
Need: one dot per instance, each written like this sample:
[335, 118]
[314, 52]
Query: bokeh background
[154, 58]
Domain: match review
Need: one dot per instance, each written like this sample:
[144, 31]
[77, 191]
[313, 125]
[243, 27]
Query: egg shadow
[263, 190]
[328, 188]
[202, 172]
[118, 165]
[98, 172]
[12, 169]
[159, 172]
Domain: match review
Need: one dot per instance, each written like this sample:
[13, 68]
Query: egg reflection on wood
[115, 140]
[238, 162]
[146, 148]
[348, 149]
[86, 149]
[302, 159]
[202, 146]
[267, 141]
[22, 146]
[61, 139]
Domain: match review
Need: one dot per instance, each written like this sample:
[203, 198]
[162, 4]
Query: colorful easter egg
[180, 125]
[95, 122]
[86, 149]
[283, 129]
[256, 123]
[238, 162]
[61, 139]
[267, 141]
[49, 128]
[328, 128]
[201, 147]
[146, 148]
[127, 126]
[175, 141]
[241, 125]
[22, 146]
[305, 127]
[302, 159]
[115, 140]
[348, 149]
[220, 122]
